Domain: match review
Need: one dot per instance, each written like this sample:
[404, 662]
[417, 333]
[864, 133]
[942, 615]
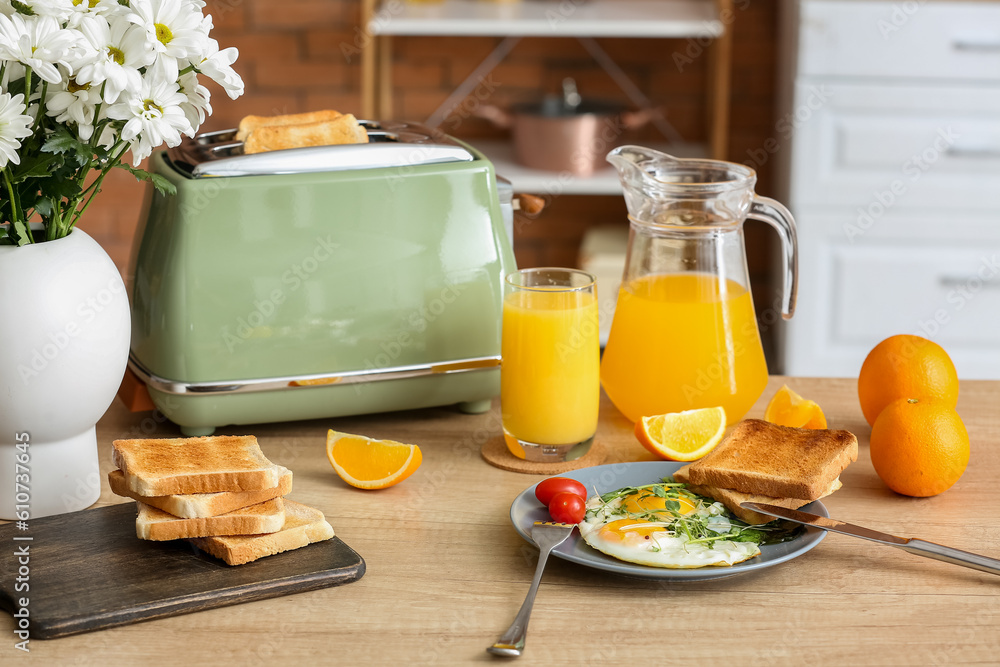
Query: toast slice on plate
[155, 524]
[171, 466]
[199, 505]
[732, 498]
[303, 526]
[761, 458]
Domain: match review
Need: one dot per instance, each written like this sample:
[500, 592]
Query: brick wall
[298, 55]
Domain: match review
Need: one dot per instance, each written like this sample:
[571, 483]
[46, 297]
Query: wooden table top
[447, 572]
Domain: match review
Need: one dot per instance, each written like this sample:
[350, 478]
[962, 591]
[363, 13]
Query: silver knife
[909, 544]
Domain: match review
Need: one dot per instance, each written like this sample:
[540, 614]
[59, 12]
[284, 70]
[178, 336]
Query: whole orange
[905, 366]
[919, 447]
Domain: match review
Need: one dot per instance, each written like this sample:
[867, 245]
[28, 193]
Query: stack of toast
[260, 134]
[220, 493]
[764, 463]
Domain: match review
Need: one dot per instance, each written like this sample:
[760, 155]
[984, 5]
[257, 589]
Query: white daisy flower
[153, 116]
[14, 126]
[14, 71]
[83, 9]
[173, 30]
[217, 65]
[38, 42]
[75, 103]
[57, 9]
[197, 105]
[121, 51]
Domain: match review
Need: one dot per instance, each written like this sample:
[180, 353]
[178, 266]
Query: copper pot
[565, 133]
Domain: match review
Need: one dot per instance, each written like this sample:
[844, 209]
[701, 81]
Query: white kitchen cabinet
[892, 171]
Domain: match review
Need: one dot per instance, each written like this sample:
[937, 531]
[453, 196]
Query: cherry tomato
[567, 508]
[548, 488]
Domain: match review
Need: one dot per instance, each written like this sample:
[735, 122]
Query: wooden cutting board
[88, 571]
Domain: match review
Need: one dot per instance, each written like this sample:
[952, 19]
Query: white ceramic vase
[64, 341]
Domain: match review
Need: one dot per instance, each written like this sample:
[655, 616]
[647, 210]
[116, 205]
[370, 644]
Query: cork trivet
[496, 454]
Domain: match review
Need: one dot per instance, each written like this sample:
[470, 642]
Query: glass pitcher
[684, 334]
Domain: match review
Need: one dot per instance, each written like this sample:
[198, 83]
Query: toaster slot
[219, 154]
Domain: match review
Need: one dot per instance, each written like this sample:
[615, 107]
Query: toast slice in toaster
[168, 466]
[342, 130]
[155, 524]
[200, 505]
[251, 123]
[303, 526]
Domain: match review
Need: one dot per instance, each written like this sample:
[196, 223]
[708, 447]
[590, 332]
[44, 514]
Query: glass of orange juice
[549, 375]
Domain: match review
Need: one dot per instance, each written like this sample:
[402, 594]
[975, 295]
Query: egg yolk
[628, 529]
[641, 503]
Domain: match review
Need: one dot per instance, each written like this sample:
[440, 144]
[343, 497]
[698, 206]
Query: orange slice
[371, 464]
[682, 436]
[789, 409]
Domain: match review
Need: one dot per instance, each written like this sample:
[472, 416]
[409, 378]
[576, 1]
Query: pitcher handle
[775, 214]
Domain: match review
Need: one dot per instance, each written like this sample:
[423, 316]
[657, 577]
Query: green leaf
[43, 207]
[749, 535]
[58, 188]
[22, 8]
[61, 141]
[36, 166]
[162, 185]
[19, 233]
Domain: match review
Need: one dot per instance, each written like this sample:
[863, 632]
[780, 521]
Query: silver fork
[547, 535]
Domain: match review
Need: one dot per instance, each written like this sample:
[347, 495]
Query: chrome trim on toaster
[166, 386]
[344, 157]
[390, 144]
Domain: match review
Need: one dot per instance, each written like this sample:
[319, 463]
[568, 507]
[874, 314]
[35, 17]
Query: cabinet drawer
[946, 292]
[916, 39]
[931, 282]
[866, 144]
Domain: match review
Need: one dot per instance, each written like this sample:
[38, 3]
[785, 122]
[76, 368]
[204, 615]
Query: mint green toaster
[320, 282]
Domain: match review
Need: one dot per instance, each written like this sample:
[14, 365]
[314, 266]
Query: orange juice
[549, 389]
[683, 341]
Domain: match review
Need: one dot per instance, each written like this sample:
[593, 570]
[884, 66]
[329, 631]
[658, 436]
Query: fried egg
[664, 525]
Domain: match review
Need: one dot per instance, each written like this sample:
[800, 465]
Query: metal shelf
[582, 19]
[536, 18]
[533, 181]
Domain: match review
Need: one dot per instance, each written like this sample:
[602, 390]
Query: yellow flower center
[90, 3]
[75, 87]
[116, 55]
[163, 34]
[150, 105]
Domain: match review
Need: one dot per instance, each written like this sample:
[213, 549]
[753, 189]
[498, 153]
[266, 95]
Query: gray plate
[526, 510]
